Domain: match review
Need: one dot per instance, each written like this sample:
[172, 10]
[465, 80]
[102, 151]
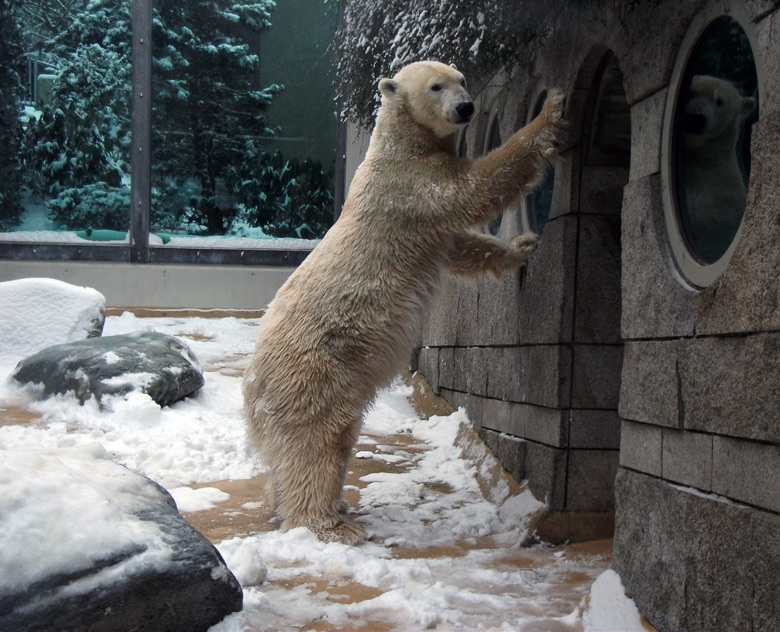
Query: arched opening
[600, 170]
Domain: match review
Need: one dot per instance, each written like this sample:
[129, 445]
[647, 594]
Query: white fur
[343, 324]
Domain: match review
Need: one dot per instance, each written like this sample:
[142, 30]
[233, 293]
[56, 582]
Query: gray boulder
[109, 552]
[156, 364]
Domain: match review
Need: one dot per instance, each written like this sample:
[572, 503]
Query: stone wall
[598, 374]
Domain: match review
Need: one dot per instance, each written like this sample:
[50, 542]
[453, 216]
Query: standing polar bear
[343, 323]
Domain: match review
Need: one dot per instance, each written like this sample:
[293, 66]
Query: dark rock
[170, 579]
[156, 364]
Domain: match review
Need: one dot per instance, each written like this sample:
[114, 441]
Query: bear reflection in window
[712, 185]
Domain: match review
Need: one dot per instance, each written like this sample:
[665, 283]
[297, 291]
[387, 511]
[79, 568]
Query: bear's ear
[453, 66]
[748, 105]
[388, 87]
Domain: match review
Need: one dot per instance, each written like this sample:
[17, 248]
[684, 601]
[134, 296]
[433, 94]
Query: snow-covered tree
[208, 100]
[80, 145]
[11, 62]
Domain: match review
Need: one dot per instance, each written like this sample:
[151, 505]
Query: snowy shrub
[286, 198]
[93, 206]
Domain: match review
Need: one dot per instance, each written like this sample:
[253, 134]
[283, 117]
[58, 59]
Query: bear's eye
[462, 83]
[437, 87]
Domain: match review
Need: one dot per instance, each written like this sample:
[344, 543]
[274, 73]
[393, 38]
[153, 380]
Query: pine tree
[79, 148]
[11, 63]
[208, 102]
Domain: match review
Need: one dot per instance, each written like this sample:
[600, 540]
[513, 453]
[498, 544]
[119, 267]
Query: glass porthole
[539, 203]
[707, 162]
[494, 141]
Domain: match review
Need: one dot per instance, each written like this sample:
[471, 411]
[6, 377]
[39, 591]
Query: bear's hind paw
[345, 532]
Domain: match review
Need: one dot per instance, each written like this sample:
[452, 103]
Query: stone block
[446, 369]
[440, 327]
[467, 329]
[650, 383]
[546, 425]
[538, 374]
[655, 304]
[590, 484]
[747, 471]
[470, 370]
[597, 315]
[647, 121]
[505, 417]
[499, 304]
[729, 386]
[456, 399]
[687, 458]
[596, 376]
[428, 365]
[510, 451]
[766, 43]
[545, 309]
[641, 447]
[693, 562]
[594, 429]
[545, 469]
[648, 50]
[745, 298]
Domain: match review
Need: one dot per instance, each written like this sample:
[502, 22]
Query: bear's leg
[311, 492]
[472, 253]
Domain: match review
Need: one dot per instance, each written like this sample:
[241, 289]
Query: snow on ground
[202, 440]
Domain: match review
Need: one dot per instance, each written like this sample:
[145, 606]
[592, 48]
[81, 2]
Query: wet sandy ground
[556, 578]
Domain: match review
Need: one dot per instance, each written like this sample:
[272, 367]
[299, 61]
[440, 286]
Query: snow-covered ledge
[162, 285]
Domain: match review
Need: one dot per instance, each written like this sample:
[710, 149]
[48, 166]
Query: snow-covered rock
[38, 313]
[159, 365]
[88, 545]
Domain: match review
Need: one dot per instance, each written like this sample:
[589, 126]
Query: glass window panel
[70, 150]
[712, 136]
[244, 123]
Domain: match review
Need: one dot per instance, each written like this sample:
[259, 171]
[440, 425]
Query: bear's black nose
[694, 123]
[465, 110]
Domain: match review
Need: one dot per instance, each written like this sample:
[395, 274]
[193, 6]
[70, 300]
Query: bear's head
[434, 94]
[713, 110]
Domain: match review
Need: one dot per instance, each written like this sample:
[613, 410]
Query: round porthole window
[539, 203]
[706, 165]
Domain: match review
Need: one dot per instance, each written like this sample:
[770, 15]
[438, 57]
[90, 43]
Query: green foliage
[78, 150]
[207, 99]
[97, 205]
[286, 198]
[10, 129]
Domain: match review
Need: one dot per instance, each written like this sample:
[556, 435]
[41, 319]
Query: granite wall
[598, 373]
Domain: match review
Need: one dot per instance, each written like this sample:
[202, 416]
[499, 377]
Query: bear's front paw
[525, 244]
[554, 131]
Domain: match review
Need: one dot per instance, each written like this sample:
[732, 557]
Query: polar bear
[344, 322]
[713, 190]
